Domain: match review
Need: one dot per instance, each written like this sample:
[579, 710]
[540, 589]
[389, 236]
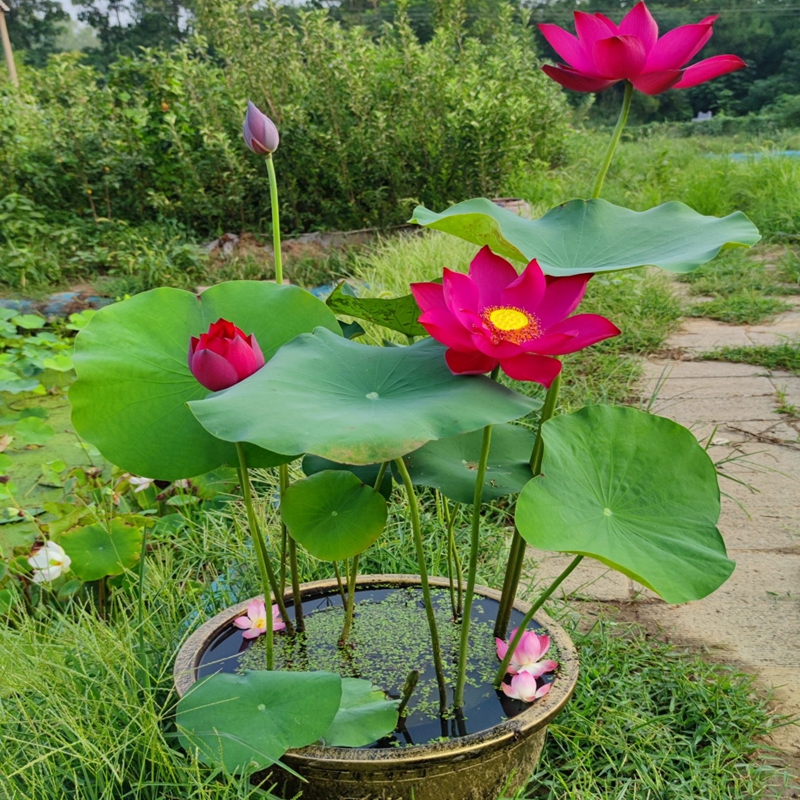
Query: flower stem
[339, 583]
[501, 672]
[268, 581]
[458, 698]
[276, 221]
[453, 551]
[423, 579]
[516, 555]
[299, 622]
[612, 145]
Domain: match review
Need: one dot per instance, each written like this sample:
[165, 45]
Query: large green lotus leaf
[134, 381]
[450, 465]
[355, 403]
[634, 491]
[364, 716]
[99, 550]
[249, 721]
[366, 474]
[397, 313]
[595, 235]
[333, 514]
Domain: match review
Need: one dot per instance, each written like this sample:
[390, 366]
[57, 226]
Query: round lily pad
[99, 550]
[633, 490]
[134, 381]
[451, 465]
[355, 403]
[366, 474]
[364, 716]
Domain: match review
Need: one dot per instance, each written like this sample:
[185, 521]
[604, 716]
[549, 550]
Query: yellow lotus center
[508, 319]
[260, 623]
[511, 324]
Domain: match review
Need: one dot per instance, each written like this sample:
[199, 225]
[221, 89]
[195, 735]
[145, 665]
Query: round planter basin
[481, 765]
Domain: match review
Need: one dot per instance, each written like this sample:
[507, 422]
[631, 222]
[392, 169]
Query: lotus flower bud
[224, 356]
[260, 133]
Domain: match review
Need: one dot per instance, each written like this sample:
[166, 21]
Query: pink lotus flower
[255, 623]
[494, 316]
[526, 657]
[224, 356]
[523, 687]
[259, 131]
[604, 53]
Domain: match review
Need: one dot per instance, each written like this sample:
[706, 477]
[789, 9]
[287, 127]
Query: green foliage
[364, 716]
[610, 489]
[784, 356]
[102, 549]
[366, 124]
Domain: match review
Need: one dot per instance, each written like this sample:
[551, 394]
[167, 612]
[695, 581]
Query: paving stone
[717, 409]
[695, 388]
[706, 334]
[707, 370]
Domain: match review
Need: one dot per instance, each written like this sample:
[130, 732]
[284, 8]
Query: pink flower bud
[224, 356]
[260, 133]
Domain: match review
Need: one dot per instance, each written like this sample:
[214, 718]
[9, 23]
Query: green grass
[743, 308]
[784, 356]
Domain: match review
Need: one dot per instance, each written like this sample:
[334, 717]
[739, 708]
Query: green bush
[369, 125]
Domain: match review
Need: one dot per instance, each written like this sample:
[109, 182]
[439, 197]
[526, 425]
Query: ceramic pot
[478, 766]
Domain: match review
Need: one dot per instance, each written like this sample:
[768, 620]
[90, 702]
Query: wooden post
[12, 70]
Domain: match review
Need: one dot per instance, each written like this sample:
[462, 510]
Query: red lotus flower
[494, 316]
[224, 356]
[604, 53]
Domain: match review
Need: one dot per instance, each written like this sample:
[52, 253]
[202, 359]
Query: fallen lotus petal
[523, 687]
[604, 53]
[48, 562]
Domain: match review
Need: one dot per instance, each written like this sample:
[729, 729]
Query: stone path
[753, 620]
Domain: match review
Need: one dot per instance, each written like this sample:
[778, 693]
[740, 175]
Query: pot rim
[537, 716]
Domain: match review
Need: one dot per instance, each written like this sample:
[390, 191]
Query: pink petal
[567, 46]
[259, 356]
[242, 358]
[277, 622]
[619, 57]
[609, 23]
[213, 371]
[709, 68]
[656, 82]
[677, 46]
[502, 648]
[530, 367]
[252, 633]
[561, 298]
[509, 690]
[529, 648]
[585, 329]
[445, 328]
[543, 690]
[639, 22]
[242, 622]
[256, 609]
[482, 343]
[428, 295]
[548, 345]
[491, 274]
[461, 295]
[527, 290]
[473, 363]
[577, 81]
[591, 28]
[524, 686]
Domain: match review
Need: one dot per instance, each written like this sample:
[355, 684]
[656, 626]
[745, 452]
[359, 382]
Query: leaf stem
[474, 546]
[297, 599]
[276, 222]
[416, 529]
[501, 672]
[615, 136]
[142, 644]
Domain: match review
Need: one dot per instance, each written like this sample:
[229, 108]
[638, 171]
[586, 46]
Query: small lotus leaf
[246, 722]
[134, 381]
[366, 474]
[397, 313]
[355, 403]
[450, 465]
[634, 491]
[364, 716]
[333, 514]
[595, 235]
[102, 549]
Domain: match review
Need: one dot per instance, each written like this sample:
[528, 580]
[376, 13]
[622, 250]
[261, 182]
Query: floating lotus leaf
[634, 491]
[595, 235]
[364, 716]
[102, 549]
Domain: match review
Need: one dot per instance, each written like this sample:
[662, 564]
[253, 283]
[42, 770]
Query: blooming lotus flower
[255, 623]
[224, 356]
[494, 316]
[48, 562]
[260, 133]
[523, 687]
[526, 657]
[604, 53]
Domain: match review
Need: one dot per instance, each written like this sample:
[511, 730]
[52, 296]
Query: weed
[784, 356]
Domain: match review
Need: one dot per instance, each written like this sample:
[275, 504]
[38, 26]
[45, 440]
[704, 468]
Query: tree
[33, 27]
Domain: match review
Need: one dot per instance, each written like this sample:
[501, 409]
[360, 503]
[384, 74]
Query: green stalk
[516, 556]
[276, 220]
[501, 672]
[269, 583]
[453, 551]
[423, 579]
[351, 601]
[299, 622]
[612, 145]
[142, 644]
[339, 583]
[458, 698]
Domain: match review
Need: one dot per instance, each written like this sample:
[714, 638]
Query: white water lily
[48, 562]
